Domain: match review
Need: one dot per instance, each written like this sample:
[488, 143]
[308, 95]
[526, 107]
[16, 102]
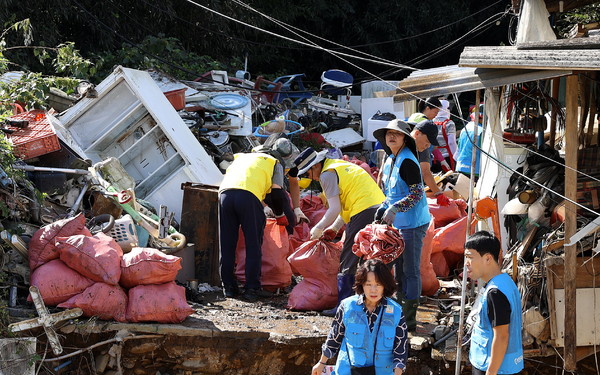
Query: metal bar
[31, 168]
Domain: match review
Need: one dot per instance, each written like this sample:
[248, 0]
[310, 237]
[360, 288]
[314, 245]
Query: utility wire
[294, 40]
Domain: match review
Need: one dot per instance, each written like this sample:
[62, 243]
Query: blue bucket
[291, 128]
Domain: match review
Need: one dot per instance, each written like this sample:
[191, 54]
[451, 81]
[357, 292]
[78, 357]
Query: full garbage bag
[318, 262]
[143, 266]
[107, 302]
[444, 215]
[164, 303]
[42, 247]
[429, 282]
[96, 257]
[57, 282]
[275, 269]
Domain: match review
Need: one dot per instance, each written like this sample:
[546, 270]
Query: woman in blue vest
[369, 329]
[405, 207]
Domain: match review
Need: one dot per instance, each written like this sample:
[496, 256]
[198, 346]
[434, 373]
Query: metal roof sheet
[453, 79]
[511, 57]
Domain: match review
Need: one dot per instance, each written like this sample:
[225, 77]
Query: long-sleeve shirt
[338, 330]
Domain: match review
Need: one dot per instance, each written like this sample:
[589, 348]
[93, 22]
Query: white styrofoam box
[370, 106]
[133, 121]
[343, 137]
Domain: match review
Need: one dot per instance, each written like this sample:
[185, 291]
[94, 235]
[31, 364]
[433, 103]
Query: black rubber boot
[409, 309]
[344, 284]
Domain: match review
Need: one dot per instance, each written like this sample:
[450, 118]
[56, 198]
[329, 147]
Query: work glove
[300, 217]
[316, 233]
[282, 220]
[293, 172]
[390, 214]
[331, 231]
[379, 213]
[442, 199]
[268, 211]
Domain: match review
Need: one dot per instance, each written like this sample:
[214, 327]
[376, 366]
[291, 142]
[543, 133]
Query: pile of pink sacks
[72, 268]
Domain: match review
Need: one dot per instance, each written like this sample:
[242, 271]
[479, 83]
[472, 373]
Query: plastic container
[291, 128]
[176, 98]
[124, 233]
[38, 138]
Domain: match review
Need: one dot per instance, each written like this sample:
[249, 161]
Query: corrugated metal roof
[513, 58]
[453, 79]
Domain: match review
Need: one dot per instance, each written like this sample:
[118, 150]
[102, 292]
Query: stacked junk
[110, 165]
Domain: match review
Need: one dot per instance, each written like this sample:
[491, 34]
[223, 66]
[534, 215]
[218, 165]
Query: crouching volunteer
[353, 197]
[496, 344]
[247, 182]
[368, 333]
[405, 207]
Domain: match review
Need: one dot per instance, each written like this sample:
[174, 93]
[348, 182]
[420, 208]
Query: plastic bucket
[176, 98]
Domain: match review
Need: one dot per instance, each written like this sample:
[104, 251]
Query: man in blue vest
[496, 346]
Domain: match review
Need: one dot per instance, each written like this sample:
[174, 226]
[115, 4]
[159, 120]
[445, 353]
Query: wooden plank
[555, 88]
[570, 269]
[576, 43]
[510, 57]
[587, 273]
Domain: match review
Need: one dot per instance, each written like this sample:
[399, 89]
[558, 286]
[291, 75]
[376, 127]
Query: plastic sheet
[378, 241]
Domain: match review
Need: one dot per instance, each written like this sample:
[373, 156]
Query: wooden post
[555, 88]
[571, 223]
[590, 129]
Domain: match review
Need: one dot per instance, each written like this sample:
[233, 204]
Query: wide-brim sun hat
[400, 126]
[307, 159]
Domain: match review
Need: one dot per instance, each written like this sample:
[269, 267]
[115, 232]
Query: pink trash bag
[96, 257]
[57, 282]
[444, 215]
[429, 282]
[143, 266]
[378, 241]
[163, 303]
[318, 262]
[42, 247]
[107, 302]
[451, 237]
[313, 208]
[275, 269]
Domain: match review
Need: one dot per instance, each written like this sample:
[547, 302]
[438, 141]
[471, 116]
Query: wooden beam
[555, 88]
[553, 6]
[593, 105]
[571, 222]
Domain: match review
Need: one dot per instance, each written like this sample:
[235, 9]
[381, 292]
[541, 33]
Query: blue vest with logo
[395, 189]
[482, 336]
[358, 345]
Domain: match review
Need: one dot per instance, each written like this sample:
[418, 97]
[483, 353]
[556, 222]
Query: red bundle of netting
[378, 241]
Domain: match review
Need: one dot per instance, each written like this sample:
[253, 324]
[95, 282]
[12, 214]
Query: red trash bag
[143, 266]
[429, 282]
[275, 269]
[96, 257]
[163, 303]
[107, 302]
[378, 241]
[440, 266]
[42, 247]
[57, 282]
[451, 237]
[312, 295]
[318, 262]
[313, 208]
[444, 215]
[300, 236]
[317, 259]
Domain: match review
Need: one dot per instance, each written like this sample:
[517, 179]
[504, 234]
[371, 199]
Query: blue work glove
[379, 213]
[390, 214]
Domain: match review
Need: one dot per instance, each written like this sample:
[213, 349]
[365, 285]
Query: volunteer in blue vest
[353, 197]
[496, 345]
[369, 328]
[247, 182]
[405, 206]
[463, 155]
